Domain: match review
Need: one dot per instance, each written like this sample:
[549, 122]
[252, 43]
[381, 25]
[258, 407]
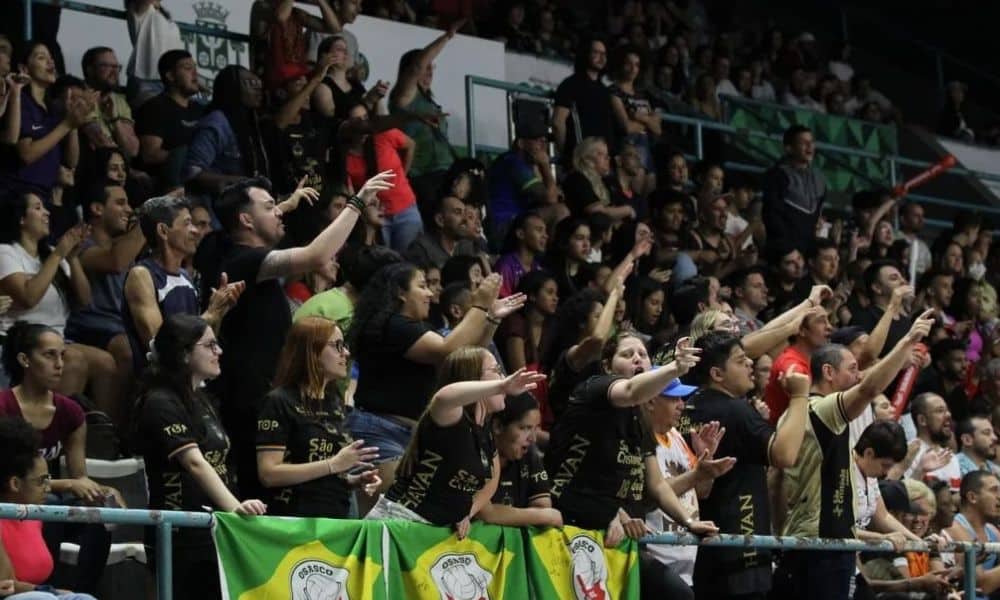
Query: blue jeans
[402, 228]
[49, 596]
[390, 437]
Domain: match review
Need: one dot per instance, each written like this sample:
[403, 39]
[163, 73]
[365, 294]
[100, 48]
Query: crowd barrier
[164, 521]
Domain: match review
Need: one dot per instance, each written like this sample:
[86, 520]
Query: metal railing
[165, 520]
[700, 126]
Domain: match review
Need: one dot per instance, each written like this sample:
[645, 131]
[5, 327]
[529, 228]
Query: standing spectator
[153, 33]
[166, 123]
[258, 324]
[582, 103]
[637, 123]
[911, 224]
[946, 377]
[794, 192]
[720, 72]
[450, 235]
[26, 562]
[47, 138]
[585, 186]
[159, 286]
[952, 121]
[881, 279]
[303, 446]
[412, 94]
[749, 298]
[522, 251]
[521, 335]
[788, 272]
[338, 92]
[704, 98]
[186, 449]
[762, 90]
[522, 180]
[288, 39]
[566, 258]
[840, 64]
[110, 123]
[724, 378]
[977, 443]
[862, 93]
[934, 432]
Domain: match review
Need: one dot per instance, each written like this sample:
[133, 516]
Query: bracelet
[357, 203]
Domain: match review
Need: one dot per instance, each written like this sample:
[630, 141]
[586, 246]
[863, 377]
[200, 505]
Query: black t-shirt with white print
[443, 469]
[307, 431]
[596, 456]
[522, 481]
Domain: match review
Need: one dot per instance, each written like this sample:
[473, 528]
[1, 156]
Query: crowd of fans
[297, 300]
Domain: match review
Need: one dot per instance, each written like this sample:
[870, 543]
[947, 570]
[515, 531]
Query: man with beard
[788, 271]
[583, 93]
[166, 123]
[254, 331]
[936, 289]
[708, 244]
[978, 443]
[946, 376]
[448, 236]
[110, 125]
[934, 432]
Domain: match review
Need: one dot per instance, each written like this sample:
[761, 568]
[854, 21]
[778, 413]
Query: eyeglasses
[211, 345]
[338, 346]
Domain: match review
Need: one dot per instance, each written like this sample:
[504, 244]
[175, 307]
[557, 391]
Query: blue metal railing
[164, 521]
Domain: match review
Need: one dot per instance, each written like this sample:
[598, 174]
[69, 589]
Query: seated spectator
[522, 495]
[862, 93]
[449, 237]
[300, 290]
[106, 257]
[231, 142]
[794, 192]
[749, 289]
[744, 83]
[945, 377]
[412, 94]
[646, 313]
[630, 183]
[762, 90]
[584, 187]
[566, 257]
[466, 269]
[704, 99]
[32, 357]
[637, 123]
[583, 93]
[47, 137]
[110, 124]
[710, 247]
[522, 250]
[303, 447]
[840, 64]
[521, 336]
[393, 151]
[977, 444]
[185, 448]
[934, 427]
[45, 282]
[25, 562]
[552, 38]
[787, 273]
[166, 123]
[337, 93]
[799, 93]
[522, 180]
[720, 72]
[153, 33]
[159, 286]
[288, 39]
[975, 522]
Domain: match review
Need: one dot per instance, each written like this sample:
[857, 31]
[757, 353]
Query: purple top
[510, 268]
[36, 123]
[68, 418]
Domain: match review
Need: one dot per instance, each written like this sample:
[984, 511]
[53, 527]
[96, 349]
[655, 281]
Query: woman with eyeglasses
[450, 470]
[304, 450]
[25, 562]
[185, 448]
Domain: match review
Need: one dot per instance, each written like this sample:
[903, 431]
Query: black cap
[895, 496]
[845, 336]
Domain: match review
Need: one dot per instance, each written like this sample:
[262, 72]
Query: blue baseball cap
[676, 389]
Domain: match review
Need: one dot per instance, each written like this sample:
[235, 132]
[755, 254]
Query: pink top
[25, 546]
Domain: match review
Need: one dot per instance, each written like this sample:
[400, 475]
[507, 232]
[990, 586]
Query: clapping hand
[706, 438]
[503, 307]
[225, 296]
[709, 468]
[69, 244]
[934, 459]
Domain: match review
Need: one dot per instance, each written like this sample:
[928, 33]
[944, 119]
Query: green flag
[573, 564]
[429, 563]
[274, 558]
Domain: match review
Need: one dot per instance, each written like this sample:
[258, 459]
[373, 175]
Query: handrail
[164, 520]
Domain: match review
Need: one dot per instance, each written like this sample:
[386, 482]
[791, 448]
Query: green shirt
[433, 152]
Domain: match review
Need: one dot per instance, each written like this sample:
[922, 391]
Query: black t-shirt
[579, 193]
[164, 118]
[738, 502]
[165, 428]
[388, 382]
[563, 379]
[252, 333]
[343, 101]
[306, 144]
[592, 101]
[522, 481]
[868, 318]
[596, 456]
[307, 431]
[443, 469]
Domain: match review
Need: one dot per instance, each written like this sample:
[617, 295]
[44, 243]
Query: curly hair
[380, 299]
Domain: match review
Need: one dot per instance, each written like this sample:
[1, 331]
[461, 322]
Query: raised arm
[295, 261]
[290, 110]
[640, 388]
[406, 87]
[878, 335]
[431, 348]
[764, 340]
[787, 440]
[446, 406]
[329, 23]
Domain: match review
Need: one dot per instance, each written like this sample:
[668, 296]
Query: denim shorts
[390, 437]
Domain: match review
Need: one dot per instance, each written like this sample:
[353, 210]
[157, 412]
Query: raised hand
[455, 27]
[302, 192]
[378, 183]
[353, 455]
[921, 326]
[934, 459]
[794, 383]
[819, 294]
[685, 355]
[487, 292]
[899, 295]
[503, 307]
[70, 241]
[225, 296]
[661, 275]
[521, 381]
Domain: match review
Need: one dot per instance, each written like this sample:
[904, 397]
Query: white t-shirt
[950, 473]
[51, 310]
[674, 458]
[152, 34]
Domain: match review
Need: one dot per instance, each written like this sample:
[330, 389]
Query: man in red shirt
[814, 332]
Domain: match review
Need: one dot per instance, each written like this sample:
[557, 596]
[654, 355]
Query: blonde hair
[704, 322]
[918, 490]
[583, 151]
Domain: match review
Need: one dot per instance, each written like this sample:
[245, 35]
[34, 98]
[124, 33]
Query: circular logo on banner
[590, 570]
[317, 580]
[461, 577]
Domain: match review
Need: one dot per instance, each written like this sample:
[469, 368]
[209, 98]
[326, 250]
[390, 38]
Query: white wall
[382, 42]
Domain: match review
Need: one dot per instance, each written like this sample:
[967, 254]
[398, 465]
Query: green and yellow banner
[271, 558]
